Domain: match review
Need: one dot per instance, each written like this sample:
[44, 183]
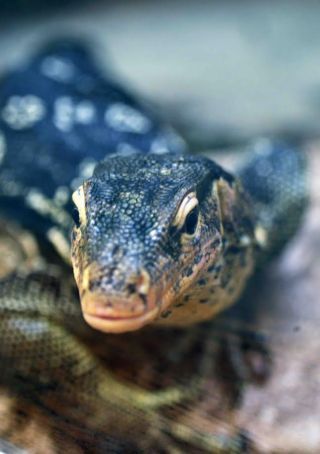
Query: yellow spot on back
[60, 243]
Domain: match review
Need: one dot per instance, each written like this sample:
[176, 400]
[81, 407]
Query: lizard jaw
[119, 325]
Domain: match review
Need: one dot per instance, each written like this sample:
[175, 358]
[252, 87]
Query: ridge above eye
[78, 198]
[188, 204]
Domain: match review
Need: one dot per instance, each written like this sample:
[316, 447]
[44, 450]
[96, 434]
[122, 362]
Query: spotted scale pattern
[64, 126]
[59, 116]
[60, 120]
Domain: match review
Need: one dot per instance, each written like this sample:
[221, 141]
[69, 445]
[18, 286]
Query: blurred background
[223, 70]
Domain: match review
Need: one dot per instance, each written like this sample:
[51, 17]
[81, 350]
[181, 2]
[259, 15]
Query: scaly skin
[58, 372]
[160, 236]
[173, 239]
[136, 259]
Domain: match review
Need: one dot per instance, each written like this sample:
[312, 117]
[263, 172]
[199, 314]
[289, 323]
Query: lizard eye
[191, 222]
[186, 219]
[79, 213]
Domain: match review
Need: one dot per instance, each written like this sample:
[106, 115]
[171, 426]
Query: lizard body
[45, 357]
[160, 236]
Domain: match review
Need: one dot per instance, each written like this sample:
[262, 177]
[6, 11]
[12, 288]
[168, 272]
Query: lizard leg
[50, 366]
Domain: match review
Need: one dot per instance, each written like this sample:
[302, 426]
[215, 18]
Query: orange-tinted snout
[116, 303]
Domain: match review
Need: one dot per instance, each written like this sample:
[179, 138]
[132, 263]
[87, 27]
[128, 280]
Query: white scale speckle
[86, 167]
[3, 147]
[46, 207]
[84, 112]
[263, 147]
[124, 118]
[154, 234]
[37, 201]
[125, 149]
[22, 112]
[63, 113]
[166, 140]
[261, 236]
[159, 146]
[58, 69]
[59, 242]
[61, 195]
[76, 182]
[245, 240]
[67, 113]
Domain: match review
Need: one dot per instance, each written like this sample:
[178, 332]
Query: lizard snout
[126, 303]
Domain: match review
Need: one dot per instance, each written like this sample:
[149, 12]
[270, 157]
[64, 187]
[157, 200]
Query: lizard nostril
[131, 288]
[143, 282]
[139, 283]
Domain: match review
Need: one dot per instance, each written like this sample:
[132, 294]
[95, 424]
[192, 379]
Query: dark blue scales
[59, 116]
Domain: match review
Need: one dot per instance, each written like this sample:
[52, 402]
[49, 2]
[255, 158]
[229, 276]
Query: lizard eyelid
[78, 198]
[189, 202]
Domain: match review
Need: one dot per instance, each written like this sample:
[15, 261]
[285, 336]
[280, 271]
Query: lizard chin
[118, 325]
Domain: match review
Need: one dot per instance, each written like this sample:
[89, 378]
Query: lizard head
[146, 227]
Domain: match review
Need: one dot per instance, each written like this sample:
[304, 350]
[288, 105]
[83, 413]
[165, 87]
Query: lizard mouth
[119, 313]
[120, 324]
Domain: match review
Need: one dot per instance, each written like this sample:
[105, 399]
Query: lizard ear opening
[225, 196]
[78, 198]
[235, 211]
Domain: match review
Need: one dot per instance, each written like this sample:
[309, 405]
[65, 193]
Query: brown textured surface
[27, 427]
[283, 415]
